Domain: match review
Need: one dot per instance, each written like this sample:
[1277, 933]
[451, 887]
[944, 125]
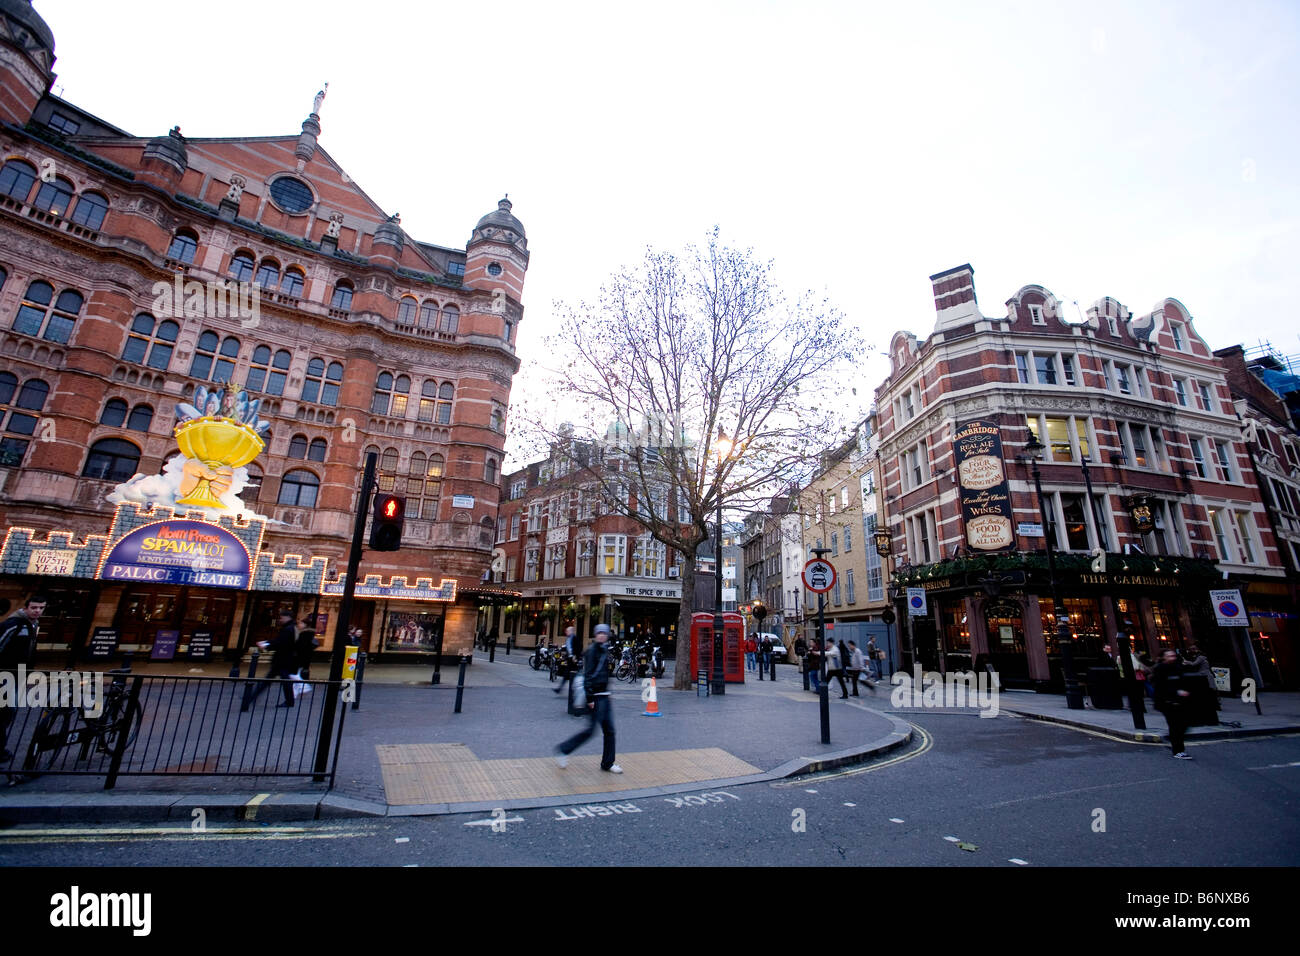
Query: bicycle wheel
[554, 669]
[47, 741]
[532, 661]
[115, 726]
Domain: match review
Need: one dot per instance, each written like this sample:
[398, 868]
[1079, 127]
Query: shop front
[634, 608]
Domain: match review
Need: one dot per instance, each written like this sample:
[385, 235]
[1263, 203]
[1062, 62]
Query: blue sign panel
[179, 552]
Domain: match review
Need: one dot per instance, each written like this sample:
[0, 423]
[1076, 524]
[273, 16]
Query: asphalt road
[969, 792]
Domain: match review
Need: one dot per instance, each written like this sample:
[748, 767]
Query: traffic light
[386, 527]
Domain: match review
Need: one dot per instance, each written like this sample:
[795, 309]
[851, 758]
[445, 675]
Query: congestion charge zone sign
[819, 575]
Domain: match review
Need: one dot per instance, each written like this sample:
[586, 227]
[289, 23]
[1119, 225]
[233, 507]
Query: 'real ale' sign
[982, 485]
[179, 552]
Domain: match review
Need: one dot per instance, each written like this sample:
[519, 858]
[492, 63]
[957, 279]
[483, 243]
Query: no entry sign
[819, 575]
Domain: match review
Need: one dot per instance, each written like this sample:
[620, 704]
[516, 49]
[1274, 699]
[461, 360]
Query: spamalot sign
[179, 552]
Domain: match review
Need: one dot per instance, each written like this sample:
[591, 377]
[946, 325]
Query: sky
[1140, 150]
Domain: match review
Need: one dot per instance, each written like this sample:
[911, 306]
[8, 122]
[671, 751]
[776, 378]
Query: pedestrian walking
[765, 657]
[17, 646]
[872, 659]
[282, 650]
[858, 663]
[815, 665]
[572, 658]
[1173, 700]
[835, 668]
[1205, 699]
[595, 677]
[751, 649]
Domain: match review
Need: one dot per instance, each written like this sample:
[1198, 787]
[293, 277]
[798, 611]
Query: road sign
[916, 605]
[1029, 529]
[819, 575]
[1229, 609]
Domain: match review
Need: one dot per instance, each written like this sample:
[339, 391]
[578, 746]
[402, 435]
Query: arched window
[3, 276]
[111, 459]
[268, 373]
[151, 346]
[316, 450]
[184, 244]
[293, 281]
[241, 266]
[8, 385]
[419, 462]
[114, 413]
[428, 400]
[388, 461]
[90, 210]
[432, 490]
[141, 418]
[390, 395]
[436, 466]
[253, 490]
[298, 446]
[322, 384]
[37, 317]
[342, 298]
[16, 179]
[406, 311]
[299, 489]
[429, 314]
[268, 275]
[490, 470]
[450, 319]
[30, 398]
[206, 354]
[446, 392]
[54, 197]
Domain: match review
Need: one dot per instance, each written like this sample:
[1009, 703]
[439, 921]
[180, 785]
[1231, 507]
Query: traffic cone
[652, 704]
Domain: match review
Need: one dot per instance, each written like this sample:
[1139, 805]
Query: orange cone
[652, 701]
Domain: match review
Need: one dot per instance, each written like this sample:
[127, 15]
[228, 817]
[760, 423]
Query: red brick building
[1143, 460]
[134, 269]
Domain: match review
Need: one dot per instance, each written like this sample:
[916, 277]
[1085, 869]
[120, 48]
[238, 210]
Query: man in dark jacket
[1172, 700]
[282, 658]
[17, 645]
[595, 676]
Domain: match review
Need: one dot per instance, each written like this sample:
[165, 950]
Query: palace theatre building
[1148, 496]
[251, 282]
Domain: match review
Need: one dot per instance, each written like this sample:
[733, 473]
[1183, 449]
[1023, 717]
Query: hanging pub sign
[1139, 509]
[982, 485]
[179, 552]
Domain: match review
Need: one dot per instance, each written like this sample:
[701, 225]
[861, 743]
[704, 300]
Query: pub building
[1029, 460]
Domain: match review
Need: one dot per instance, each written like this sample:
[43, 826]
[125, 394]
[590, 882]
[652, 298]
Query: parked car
[779, 653]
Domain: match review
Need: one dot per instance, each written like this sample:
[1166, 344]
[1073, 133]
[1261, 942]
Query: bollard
[252, 672]
[460, 683]
[772, 658]
[361, 676]
[126, 660]
[803, 666]
[510, 642]
[492, 652]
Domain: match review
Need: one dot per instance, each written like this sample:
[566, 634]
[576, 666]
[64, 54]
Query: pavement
[405, 752]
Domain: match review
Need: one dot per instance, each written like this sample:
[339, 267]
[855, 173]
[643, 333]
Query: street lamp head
[723, 445]
[1034, 448]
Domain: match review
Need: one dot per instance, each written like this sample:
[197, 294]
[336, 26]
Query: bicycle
[59, 727]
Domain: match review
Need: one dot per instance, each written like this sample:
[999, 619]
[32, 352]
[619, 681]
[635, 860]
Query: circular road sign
[819, 575]
[1229, 608]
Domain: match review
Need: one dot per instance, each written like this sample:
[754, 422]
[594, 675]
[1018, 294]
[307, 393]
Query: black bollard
[126, 660]
[460, 682]
[361, 676]
[772, 658]
[803, 666]
[492, 652]
[252, 672]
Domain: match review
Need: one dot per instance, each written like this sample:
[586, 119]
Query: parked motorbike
[541, 658]
[657, 664]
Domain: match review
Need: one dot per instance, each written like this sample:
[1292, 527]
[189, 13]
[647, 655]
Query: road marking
[895, 820]
[170, 835]
[402, 840]
[926, 743]
[490, 821]
[806, 790]
[850, 804]
[1018, 862]
[1274, 766]
[952, 839]
[1066, 793]
[250, 808]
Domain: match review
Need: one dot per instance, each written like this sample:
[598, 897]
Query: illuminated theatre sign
[179, 552]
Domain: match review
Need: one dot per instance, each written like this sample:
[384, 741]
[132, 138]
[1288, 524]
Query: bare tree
[676, 353]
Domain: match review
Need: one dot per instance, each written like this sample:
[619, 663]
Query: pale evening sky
[1138, 150]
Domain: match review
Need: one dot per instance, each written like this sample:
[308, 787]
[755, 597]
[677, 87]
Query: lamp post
[718, 682]
[1073, 692]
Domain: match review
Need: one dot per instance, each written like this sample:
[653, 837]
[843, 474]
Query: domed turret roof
[21, 12]
[500, 219]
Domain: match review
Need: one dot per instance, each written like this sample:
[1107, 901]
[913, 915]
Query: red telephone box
[733, 645]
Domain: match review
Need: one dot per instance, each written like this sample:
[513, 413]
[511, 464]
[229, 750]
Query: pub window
[613, 554]
[1244, 522]
[299, 489]
[1076, 525]
[111, 459]
[1045, 369]
[1022, 368]
[586, 555]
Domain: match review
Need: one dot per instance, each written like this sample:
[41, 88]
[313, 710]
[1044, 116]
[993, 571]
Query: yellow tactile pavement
[451, 773]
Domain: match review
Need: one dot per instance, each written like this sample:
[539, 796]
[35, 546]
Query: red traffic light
[386, 528]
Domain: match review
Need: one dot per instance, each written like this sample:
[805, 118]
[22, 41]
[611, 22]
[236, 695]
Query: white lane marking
[1273, 766]
[850, 804]
[952, 839]
[1018, 862]
[806, 790]
[895, 820]
[1063, 793]
[402, 840]
[491, 820]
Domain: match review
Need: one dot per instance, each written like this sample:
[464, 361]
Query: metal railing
[124, 724]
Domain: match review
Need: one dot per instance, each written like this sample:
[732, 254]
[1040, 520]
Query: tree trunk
[682, 676]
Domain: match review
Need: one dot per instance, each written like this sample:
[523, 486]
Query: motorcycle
[626, 669]
[541, 658]
[657, 664]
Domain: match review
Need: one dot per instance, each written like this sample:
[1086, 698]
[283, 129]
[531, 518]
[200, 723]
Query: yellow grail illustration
[215, 447]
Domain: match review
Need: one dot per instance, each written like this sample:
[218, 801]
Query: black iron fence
[117, 724]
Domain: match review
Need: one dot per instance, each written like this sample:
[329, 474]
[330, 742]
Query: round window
[291, 195]
[494, 268]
